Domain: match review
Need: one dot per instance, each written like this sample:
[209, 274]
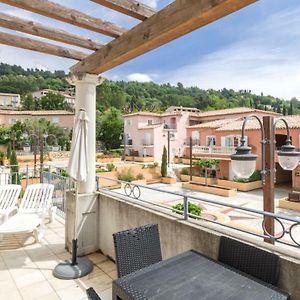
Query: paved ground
[26, 271]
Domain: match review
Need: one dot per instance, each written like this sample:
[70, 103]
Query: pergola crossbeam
[177, 19]
[131, 8]
[34, 28]
[68, 15]
[34, 45]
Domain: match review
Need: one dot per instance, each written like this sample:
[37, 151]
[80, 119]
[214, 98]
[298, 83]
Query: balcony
[213, 150]
[26, 270]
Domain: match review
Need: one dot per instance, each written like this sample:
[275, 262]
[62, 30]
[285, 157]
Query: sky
[256, 48]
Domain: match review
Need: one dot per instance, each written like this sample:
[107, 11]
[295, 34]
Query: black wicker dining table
[192, 276]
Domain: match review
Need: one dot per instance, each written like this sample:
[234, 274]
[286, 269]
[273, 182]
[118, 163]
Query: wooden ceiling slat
[34, 45]
[177, 19]
[131, 8]
[68, 15]
[34, 28]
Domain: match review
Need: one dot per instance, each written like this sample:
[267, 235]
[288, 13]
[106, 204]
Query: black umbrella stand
[73, 268]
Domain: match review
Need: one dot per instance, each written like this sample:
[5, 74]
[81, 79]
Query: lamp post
[244, 163]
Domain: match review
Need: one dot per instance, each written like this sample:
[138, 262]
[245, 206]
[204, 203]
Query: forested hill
[133, 96]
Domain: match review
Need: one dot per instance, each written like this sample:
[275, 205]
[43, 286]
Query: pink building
[218, 139]
[146, 133]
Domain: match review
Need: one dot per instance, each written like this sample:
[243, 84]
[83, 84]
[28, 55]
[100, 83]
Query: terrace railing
[287, 228]
[213, 150]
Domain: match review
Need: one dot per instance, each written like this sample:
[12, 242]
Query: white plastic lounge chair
[9, 194]
[34, 208]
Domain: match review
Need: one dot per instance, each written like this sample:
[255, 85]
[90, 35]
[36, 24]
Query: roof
[293, 122]
[35, 113]
[151, 114]
[213, 124]
[236, 110]
[9, 94]
[182, 108]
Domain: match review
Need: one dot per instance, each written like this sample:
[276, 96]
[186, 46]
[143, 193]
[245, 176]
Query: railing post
[185, 208]
[97, 183]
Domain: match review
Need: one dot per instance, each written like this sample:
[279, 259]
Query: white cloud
[140, 77]
[266, 60]
[152, 3]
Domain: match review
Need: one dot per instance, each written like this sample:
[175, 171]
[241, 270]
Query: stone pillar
[82, 210]
[85, 98]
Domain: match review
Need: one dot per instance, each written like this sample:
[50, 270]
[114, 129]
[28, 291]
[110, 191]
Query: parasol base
[66, 270]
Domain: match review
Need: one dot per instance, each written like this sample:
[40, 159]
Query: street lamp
[244, 163]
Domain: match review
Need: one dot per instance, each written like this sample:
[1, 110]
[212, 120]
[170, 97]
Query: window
[149, 122]
[233, 141]
[210, 140]
[13, 121]
[128, 122]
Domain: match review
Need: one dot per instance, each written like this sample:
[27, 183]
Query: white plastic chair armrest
[9, 212]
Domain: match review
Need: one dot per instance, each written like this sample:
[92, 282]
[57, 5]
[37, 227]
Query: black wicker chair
[137, 248]
[248, 259]
[92, 295]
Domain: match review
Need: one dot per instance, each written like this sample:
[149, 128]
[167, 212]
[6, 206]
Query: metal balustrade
[287, 228]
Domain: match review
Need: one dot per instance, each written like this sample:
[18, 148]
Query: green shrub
[140, 176]
[126, 175]
[63, 172]
[163, 168]
[185, 171]
[110, 167]
[192, 209]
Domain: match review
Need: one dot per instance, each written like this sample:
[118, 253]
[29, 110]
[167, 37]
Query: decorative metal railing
[287, 229]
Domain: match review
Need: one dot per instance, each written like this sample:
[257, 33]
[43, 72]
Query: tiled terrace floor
[26, 270]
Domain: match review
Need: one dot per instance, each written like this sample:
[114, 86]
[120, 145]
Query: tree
[28, 102]
[291, 109]
[284, 112]
[163, 168]
[53, 101]
[14, 169]
[2, 156]
[109, 128]
[8, 151]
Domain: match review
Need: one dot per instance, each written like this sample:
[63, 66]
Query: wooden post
[268, 188]
[191, 158]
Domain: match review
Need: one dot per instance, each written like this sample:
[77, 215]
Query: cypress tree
[164, 163]
[8, 150]
[14, 169]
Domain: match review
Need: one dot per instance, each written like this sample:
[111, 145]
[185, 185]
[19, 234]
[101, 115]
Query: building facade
[61, 118]
[10, 101]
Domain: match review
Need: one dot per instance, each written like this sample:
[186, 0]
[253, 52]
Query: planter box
[168, 180]
[129, 158]
[108, 159]
[215, 190]
[199, 179]
[143, 159]
[285, 203]
[241, 186]
[177, 160]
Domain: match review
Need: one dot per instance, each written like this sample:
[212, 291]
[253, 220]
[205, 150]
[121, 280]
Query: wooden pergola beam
[175, 20]
[34, 28]
[34, 45]
[67, 15]
[131, 8]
